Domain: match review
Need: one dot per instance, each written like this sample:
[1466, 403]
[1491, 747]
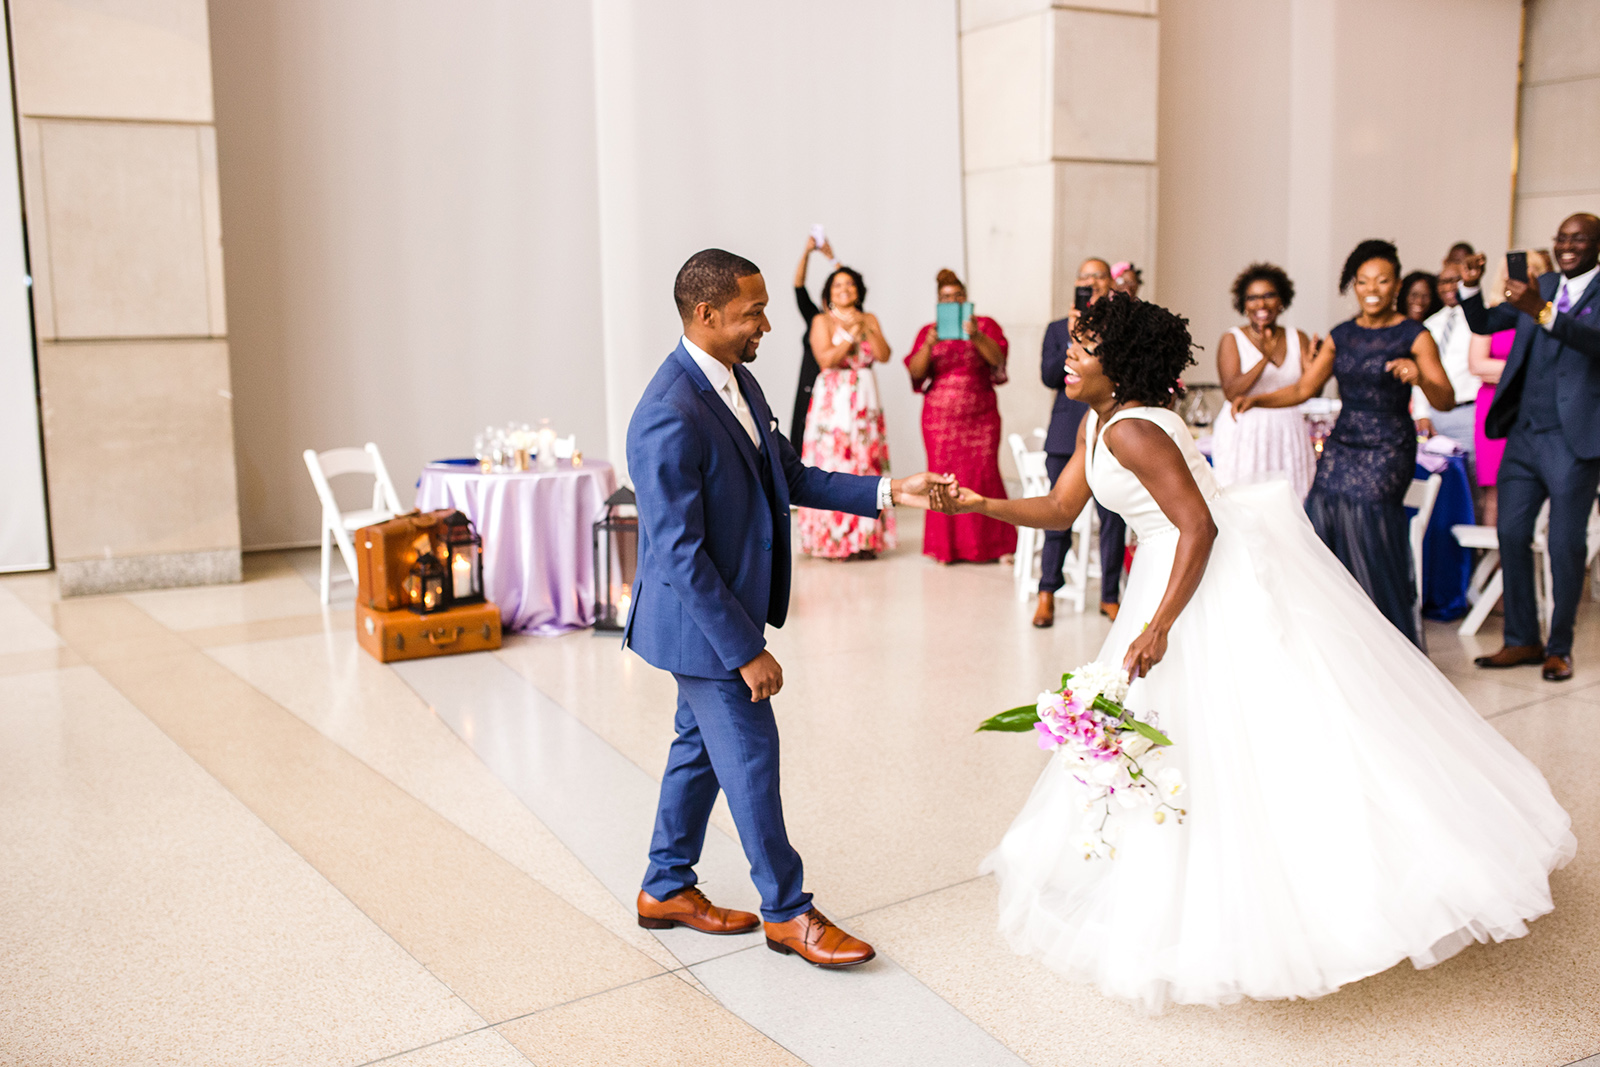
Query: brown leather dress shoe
[1109, 609]
[817, 941]
[1045, 617]
[1558, 669]
[691, 908]
[1512, 656]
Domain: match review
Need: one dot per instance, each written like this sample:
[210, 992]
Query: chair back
[1421, 495]
[340, 461]
[1030, 468]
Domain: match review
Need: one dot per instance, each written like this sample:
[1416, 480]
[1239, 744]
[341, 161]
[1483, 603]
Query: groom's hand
[913, 491]
[763, 676]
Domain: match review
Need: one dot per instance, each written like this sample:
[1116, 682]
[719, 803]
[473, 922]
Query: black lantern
[425, 586]
[462, 559]
[616, 550]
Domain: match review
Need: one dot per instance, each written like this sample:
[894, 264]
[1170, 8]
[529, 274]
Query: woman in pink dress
[961, 427]
[1486, 358]
[844, 428]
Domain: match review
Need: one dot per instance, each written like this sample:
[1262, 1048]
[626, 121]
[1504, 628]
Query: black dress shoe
[1558, 669]
[1512, 656]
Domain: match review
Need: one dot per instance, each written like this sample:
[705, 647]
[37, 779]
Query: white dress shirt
[1451, 333]
[722, 379]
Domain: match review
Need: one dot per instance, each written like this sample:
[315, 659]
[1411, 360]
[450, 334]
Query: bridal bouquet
[1118, 758]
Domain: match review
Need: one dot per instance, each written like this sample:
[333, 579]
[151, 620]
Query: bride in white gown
[1347, 808]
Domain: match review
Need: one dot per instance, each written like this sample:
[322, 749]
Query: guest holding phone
[844, 430]
[1256, 358]
[1095, 282]
[808, 362]
[1547, 409]
[1486, 359]
[961, 425]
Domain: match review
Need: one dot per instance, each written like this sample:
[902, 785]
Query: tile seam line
[690, 967]
[235, 798]
[303, 859]
[451, 822]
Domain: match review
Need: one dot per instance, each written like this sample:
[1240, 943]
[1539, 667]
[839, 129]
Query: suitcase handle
[437, 637]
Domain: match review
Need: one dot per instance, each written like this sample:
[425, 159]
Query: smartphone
[1517, 266]
[1081, 297]
[818, 234]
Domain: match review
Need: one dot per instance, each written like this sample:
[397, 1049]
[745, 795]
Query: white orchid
[1170, 781]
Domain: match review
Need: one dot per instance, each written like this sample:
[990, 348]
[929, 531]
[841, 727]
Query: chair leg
[1480, 611]
[327, 560]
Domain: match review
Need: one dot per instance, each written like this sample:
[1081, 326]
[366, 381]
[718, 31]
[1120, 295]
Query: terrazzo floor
[227, 836]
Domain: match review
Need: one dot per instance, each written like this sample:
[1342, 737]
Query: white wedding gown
[1347, 808]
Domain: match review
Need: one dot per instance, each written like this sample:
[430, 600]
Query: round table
[538, 555]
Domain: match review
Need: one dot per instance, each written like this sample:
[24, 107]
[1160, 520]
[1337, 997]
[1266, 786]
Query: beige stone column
[1058, 127]
[125, 246]
[1558, 144]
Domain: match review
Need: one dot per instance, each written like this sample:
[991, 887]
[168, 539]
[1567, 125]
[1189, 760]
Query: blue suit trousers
[1539, 465]
[725, 741]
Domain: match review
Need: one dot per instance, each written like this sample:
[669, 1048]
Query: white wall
[1291, 131]
[732, 125]
[1559, 142]
[410, 214]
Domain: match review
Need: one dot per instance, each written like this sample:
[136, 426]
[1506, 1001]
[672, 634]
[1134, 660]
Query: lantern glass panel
[426, 585]
[463, 559]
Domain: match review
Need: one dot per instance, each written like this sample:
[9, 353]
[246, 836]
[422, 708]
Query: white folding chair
[1421, 495]
[336, 525]
[1030, 541]
[1487, 584]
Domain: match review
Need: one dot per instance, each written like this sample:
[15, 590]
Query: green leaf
[1065, 679]
[1013, 720]
[1149, 731]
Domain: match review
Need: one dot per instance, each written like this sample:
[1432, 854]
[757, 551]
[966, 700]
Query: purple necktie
[1564, 301]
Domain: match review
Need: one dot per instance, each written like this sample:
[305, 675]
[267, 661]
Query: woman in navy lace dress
[1356, 500]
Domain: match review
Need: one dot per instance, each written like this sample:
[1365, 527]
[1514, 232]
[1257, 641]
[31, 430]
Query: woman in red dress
[961, 427]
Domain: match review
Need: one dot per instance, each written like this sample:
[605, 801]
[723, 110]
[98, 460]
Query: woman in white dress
[1262, 357]
[1346, 807]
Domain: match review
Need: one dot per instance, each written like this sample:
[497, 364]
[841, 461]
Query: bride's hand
[1146, 650]
[1243, 404]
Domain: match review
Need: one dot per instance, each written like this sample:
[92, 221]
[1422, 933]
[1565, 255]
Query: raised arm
[993, 352]
[1425, 370]
[875, 337]
[1144, 449]
[920, 361]
[1235, 383]
[1312, 379]
[827, 353]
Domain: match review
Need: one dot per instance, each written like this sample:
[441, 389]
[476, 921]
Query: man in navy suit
[1059, 444]
[1547, 407]
[715, 481]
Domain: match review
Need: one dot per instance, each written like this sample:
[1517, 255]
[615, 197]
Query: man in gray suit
[1547, 407]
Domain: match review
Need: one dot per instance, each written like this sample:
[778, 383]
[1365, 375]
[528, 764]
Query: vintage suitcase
[392, 635]
[385, 553]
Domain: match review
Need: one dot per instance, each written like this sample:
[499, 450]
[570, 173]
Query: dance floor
[228, 836]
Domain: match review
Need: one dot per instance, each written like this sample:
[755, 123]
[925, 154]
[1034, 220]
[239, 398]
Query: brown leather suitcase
[385, 553]
[392, 635]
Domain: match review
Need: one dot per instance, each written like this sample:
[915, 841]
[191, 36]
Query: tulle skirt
[1347, 808]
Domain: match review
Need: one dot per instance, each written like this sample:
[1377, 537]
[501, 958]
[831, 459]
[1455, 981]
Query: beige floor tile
[103, 629]
[238, 633]
[20, 629]
[364, 707]
[271, 597]
[148, 917]
[484, 1048]
[35, 589]
[43, 660]
[499, 939]
[662, 1022]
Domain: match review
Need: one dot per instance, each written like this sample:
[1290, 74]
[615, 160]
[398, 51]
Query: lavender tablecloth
[538, 562]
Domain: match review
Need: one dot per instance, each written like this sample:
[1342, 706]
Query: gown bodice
[1119, 489]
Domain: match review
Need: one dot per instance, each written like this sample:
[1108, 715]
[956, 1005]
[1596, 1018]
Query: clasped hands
[937, 492]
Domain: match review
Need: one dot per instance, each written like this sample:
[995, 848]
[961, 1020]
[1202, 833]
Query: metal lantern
[425, 586]
[463, 559]
[616, 551]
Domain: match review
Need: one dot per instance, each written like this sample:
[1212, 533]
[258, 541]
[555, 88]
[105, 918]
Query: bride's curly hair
[1144, 348]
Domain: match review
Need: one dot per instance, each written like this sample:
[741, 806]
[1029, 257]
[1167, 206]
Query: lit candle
[461, 576]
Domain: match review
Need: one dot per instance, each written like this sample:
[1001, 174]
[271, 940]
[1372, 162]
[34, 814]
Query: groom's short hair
[709, 277]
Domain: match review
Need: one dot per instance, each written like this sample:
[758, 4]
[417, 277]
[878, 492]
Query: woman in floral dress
[844, 430]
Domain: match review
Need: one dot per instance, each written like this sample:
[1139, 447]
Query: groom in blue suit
[715, 482]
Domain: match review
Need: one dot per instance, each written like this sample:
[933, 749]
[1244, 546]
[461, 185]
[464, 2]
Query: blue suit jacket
[1062, 437]
[1577, 331]
[714, 564]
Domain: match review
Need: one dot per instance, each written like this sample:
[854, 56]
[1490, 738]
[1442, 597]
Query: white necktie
[741, 410]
